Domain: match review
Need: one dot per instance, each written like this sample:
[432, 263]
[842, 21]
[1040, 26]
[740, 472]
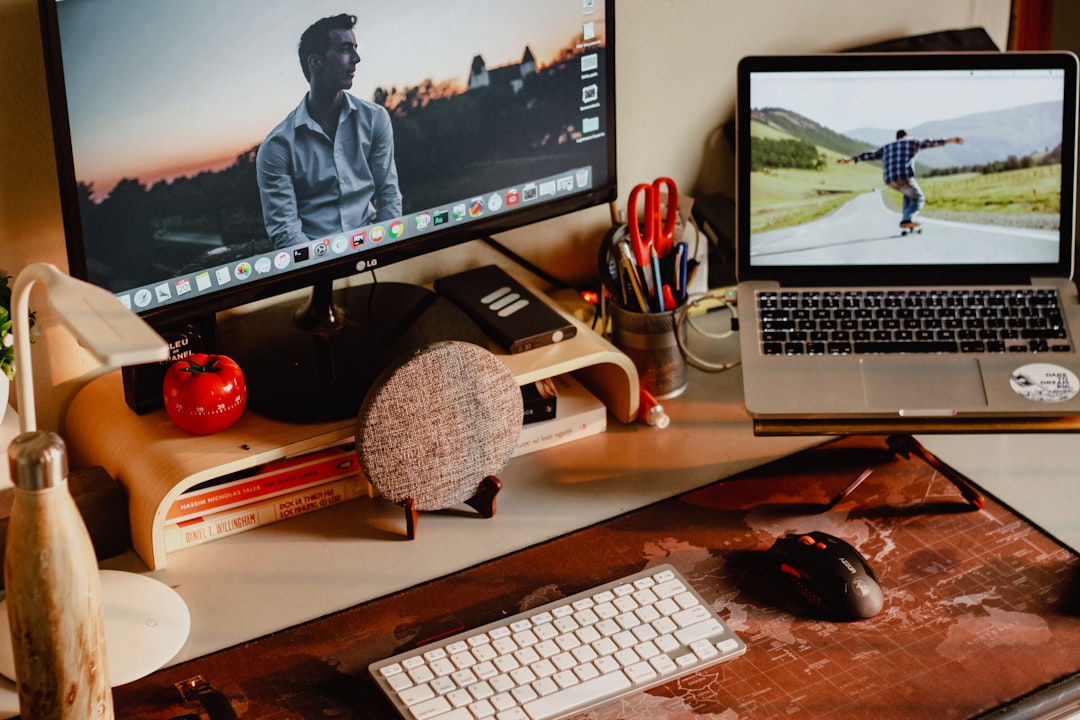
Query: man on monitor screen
[329, 165]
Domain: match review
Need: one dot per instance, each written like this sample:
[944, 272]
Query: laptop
[905, 230]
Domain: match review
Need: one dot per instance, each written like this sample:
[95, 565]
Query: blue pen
[654, 261]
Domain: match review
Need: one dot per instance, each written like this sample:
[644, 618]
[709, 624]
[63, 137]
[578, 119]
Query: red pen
[651, 412]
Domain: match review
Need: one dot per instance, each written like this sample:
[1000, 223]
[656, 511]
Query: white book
[578, 414]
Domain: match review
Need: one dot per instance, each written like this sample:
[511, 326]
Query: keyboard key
[503, 701]
[546, 631]
[464, 678]
[391, 670]
[524, 693]
[705, 629]
[704, 649]
[690, 616]
[416, 693]
[641, 672]
[430, 708]
[545, 686]
[586, 671]
[559, 702]
[481, 709]
[442, 667]
[433, 708]
[663, 664]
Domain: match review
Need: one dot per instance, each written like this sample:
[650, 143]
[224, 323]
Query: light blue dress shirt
[312, 187]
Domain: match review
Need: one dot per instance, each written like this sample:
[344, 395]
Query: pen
[658, 282]
[648, 282]
[677, 279]
[652, 412]
[682, 259]
[632, 278]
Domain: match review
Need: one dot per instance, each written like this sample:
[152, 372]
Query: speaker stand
[483, 502]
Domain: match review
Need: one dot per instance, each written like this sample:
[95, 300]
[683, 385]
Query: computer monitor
[206, 161]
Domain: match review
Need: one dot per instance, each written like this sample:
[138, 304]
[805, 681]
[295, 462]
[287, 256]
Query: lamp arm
[100, 323]
[20, 312]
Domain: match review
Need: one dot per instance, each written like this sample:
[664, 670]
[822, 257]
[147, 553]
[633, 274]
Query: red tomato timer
[204, 393]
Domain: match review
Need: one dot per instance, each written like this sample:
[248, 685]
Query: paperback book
[578, 414]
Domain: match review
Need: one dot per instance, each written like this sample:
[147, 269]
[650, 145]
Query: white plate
[146, 624]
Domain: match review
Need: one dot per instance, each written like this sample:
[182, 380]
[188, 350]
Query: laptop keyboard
[843, 322]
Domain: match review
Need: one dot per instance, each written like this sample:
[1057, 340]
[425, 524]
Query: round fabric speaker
[435, 425]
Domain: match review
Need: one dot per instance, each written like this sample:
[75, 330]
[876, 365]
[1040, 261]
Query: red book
[266, 481]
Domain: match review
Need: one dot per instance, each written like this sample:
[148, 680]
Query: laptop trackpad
[905, 383]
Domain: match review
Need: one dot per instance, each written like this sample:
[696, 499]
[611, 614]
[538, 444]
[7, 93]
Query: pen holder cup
[648, 339]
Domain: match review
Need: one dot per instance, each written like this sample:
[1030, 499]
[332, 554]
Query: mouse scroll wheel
[808, 540]
[785, 568]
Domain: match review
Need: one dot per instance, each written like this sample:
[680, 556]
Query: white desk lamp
[53, 593]
[114, 334]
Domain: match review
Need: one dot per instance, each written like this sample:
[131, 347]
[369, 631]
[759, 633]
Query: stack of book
[262, 495]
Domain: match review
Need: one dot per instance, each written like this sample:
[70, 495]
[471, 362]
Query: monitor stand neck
[319, 315]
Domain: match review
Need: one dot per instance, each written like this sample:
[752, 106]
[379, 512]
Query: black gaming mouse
[829, 574]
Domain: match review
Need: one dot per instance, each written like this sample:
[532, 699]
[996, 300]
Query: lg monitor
[212, 154]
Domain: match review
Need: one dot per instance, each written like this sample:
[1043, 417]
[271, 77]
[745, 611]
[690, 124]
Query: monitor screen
[213, 153]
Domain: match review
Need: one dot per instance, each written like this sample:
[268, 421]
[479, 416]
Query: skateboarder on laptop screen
[897, 166]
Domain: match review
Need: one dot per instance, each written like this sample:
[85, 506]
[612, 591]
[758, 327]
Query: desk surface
[259, 582]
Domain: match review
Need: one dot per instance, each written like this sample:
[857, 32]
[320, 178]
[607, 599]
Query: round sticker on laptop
[1044, 382]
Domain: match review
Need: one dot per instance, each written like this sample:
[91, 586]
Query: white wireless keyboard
[563, 657]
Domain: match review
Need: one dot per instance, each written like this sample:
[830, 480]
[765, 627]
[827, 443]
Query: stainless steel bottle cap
[38, 460]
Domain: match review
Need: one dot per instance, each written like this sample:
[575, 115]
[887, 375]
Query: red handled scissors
[658, 232]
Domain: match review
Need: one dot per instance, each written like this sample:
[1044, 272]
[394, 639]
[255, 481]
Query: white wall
[676, 86]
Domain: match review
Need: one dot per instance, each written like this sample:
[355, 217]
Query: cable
[683, 319]
[697, 235]
[528, 265]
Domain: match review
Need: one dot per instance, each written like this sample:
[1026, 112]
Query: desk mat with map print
[981, 615]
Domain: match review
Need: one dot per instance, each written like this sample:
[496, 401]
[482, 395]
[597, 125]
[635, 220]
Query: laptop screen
[906, 167]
